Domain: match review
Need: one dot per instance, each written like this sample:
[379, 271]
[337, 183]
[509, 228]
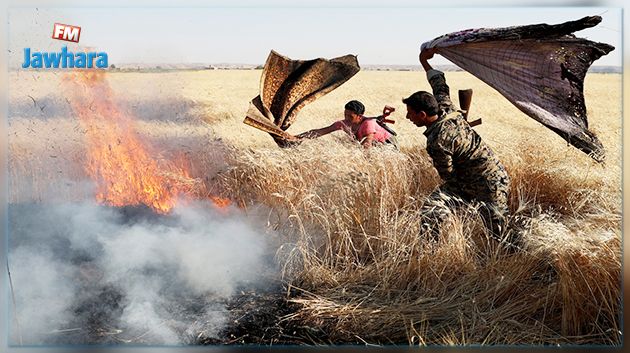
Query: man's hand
[305, 135]
[368, 140]
[425, 55]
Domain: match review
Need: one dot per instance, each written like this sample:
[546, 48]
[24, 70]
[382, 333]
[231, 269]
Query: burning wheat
[350, 246]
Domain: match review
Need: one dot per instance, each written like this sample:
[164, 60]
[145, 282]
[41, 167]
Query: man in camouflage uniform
[473, 176]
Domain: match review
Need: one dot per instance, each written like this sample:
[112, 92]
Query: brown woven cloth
[539, 68]
[288, 85]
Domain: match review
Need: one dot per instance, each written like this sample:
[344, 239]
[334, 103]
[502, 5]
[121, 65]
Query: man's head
[422, 108]
[354, 111]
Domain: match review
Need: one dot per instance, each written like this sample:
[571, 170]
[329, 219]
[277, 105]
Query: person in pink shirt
[365, 130]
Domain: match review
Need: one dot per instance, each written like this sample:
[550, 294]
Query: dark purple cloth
[538, 68]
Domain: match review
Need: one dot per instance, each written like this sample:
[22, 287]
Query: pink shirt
[367, 127]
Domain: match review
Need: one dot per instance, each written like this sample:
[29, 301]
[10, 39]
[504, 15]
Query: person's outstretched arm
[315, 133]
[425, 55]
[437, 80]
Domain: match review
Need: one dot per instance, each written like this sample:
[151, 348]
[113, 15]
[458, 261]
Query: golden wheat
[350, 243]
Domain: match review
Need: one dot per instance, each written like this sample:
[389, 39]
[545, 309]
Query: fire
[119, 161]
[220, 202]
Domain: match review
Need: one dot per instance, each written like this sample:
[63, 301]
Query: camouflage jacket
[461, 158]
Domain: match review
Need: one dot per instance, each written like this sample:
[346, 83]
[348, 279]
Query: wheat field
[349, 249]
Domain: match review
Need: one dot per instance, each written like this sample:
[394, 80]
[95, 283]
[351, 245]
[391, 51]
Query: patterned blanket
[288, 85]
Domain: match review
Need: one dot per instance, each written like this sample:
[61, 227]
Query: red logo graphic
[68, 33]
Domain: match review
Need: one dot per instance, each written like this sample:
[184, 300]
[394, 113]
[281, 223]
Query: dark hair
[355, 106]
[422, 101]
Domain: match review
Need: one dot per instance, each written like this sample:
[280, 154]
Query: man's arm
[425, 55]
[366, 132]
[442, 160]
[311, 134]
[436, 79]
[367, 140]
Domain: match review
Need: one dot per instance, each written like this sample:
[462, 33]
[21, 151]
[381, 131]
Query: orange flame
[119, 161]
[220, 202]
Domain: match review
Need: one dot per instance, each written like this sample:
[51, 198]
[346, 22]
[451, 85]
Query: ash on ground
[90, 274]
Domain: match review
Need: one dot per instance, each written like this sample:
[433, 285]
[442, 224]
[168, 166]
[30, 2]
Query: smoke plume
[85, 273]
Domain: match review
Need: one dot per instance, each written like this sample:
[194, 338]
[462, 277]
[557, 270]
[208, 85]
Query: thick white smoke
[132, 276]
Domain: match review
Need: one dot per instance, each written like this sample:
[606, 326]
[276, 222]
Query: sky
[245, 34]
